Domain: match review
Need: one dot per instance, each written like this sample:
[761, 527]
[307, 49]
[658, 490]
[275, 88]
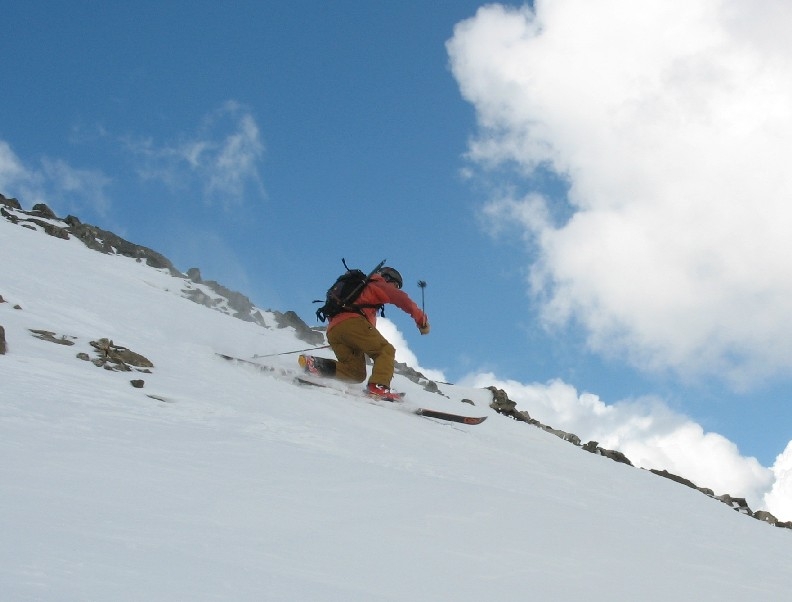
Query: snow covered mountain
[139, 464]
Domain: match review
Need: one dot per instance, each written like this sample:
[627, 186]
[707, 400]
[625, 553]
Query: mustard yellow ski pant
[354, 339]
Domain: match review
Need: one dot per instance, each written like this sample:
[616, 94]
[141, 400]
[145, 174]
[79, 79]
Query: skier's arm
[402, 300]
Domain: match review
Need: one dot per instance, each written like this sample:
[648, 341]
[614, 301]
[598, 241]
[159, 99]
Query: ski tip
[474, 420]
[450, 417]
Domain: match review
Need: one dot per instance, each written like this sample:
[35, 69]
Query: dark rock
[106, 242]
[785, 525]
[194, 274]
[503, 405]
[737, 503]
[501, 402]
[51, 229]
[302, 330]
[12, 203]
[51, 337]
[765, 516]
[673, 477]
[115, 357]
[201, 298]
[594, 448]
[9, 216]
[2, 341]
[616, 456]
[431, 387]
[137, 383]
[44, 211]
[569, 437]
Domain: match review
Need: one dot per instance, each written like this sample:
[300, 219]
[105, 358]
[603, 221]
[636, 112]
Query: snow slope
[224, 481]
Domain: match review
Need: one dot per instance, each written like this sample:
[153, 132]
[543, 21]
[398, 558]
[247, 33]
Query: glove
[424, 327]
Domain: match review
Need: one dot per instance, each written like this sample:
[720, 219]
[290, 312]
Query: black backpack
[345, 290]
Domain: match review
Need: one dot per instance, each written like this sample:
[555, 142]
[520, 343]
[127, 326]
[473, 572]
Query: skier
[353, 335]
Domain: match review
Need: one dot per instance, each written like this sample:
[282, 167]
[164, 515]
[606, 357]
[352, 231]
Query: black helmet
[392, 276]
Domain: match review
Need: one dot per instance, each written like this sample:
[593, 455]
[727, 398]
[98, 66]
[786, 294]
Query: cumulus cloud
[403, 353]
[671, 125]
[653, 436]
[779, 499]
[57, 183]
[223, 155]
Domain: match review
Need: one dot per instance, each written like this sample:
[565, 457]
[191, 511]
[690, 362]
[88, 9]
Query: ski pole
[290, 352]
[422, 286]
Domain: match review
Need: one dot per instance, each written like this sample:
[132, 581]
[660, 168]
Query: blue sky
[579, 191]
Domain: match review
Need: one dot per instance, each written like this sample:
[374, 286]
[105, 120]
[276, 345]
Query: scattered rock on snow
[115, 357]
[51, 337]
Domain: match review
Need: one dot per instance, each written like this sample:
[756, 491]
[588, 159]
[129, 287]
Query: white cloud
[672, 125]
[78, 185]
[61, 186]
[236, 159]
[651, 435]
[403, 353]
[11, 169]
[779, 500]
[223, 155]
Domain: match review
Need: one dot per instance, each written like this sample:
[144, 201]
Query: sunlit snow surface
[224, 481]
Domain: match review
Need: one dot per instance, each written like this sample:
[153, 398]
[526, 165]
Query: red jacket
[379, 292]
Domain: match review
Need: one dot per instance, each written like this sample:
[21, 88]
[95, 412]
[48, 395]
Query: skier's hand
[423, 327]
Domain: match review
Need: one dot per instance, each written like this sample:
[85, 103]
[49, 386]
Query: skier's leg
[351, 362]
[354, 338]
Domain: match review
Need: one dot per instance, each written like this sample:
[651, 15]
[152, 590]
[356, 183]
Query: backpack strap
[358, 309]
